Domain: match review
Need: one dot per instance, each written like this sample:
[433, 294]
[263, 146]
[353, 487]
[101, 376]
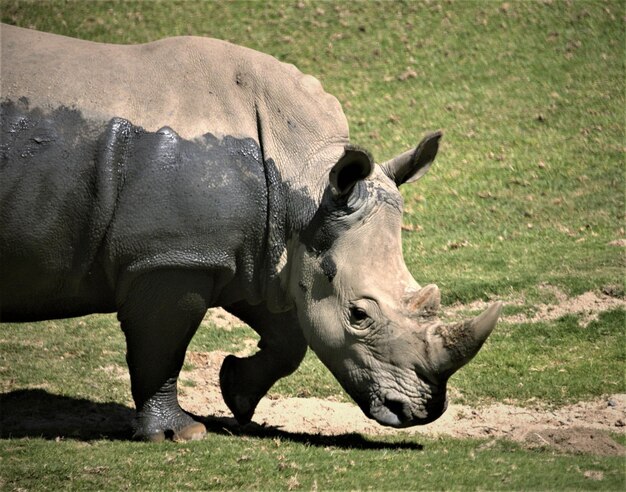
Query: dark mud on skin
[129, 199]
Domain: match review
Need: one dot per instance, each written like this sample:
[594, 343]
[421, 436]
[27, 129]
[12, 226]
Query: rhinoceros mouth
[394, 411]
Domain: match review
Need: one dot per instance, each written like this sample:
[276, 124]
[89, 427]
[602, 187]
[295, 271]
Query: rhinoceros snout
[396, 411]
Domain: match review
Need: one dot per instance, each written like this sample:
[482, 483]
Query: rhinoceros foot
[162, 418]
[241, 402]
[191, 432]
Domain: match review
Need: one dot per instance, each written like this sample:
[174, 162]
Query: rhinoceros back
[193, 85]
[59, 182]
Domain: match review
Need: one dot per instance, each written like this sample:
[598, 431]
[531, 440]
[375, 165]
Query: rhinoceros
[162, 179]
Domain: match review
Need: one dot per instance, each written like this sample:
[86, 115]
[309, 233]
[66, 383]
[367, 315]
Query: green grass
[554, 363]
[289, 462]
[528, 189]
[67, 357]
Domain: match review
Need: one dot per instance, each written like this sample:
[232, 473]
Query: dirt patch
[578, 440]
[588, 306]
[568, 429]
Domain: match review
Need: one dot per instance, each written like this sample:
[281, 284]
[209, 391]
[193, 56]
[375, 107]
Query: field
[524, 204]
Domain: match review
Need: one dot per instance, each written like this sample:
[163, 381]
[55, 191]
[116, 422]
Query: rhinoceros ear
[353, 166]
[412, 165]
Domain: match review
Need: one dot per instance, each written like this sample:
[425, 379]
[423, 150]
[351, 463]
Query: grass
[552, 362]
[279, 463]
[528, 189]
[68, 357]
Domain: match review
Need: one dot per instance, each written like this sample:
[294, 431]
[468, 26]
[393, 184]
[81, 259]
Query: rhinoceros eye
[358, 316]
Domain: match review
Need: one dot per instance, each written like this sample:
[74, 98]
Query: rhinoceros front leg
[244, 381]
[159, 316]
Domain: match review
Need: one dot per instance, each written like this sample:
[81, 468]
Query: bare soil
[587, 305]
[579, 428]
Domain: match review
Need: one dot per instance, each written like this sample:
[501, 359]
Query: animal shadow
[222, 425]
[38, 413]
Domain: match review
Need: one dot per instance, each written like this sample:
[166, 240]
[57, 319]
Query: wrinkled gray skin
[159, 180]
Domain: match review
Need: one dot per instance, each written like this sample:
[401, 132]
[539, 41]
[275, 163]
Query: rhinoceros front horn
[462, 341]
[483, 325]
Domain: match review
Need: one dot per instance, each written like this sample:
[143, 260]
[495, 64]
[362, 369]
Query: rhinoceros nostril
[398, 408]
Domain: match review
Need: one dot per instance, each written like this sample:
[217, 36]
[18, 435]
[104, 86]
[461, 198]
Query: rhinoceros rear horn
[413, 164]
[354, 165]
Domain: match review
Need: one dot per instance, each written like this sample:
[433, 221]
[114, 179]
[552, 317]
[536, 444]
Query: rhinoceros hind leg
[244, 381]
[159, 316]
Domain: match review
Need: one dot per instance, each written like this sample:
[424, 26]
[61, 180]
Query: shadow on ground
[38, 414]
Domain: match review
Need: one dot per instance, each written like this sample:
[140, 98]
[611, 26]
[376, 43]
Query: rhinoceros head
[362, 312]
